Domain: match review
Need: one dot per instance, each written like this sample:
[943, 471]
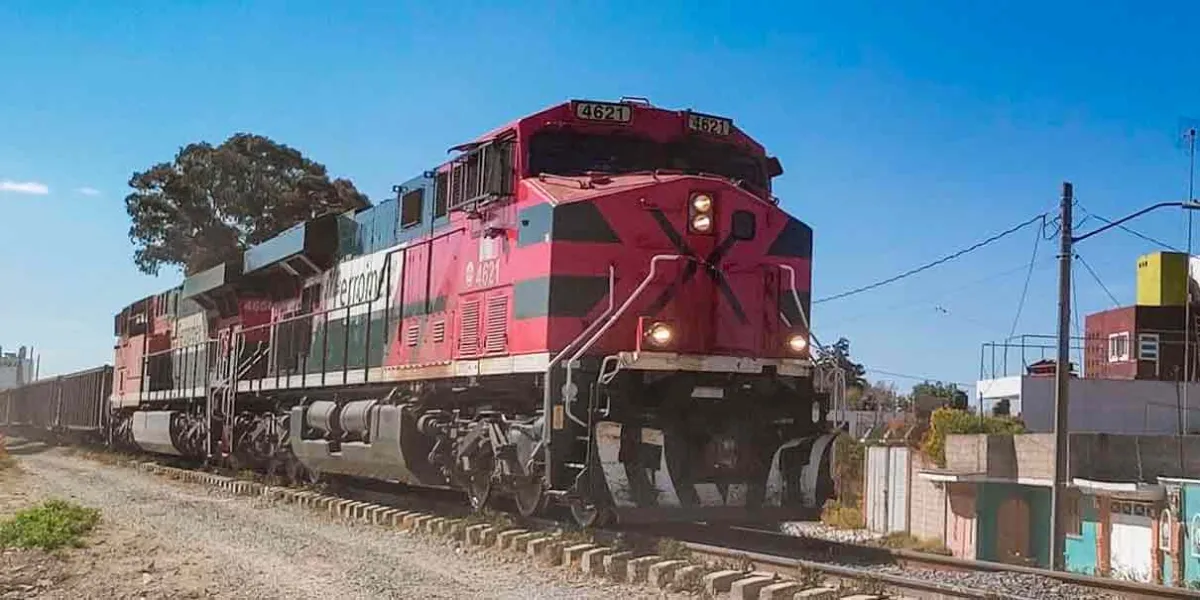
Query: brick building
[1146, 340]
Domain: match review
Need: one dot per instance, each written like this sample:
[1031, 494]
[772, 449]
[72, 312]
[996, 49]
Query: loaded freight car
[65, 406]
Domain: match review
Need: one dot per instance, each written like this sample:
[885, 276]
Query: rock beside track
[816, 529]
[1019, 585]
[164, 539]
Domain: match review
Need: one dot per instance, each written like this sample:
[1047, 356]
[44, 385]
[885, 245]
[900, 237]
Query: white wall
[990, 391]
[8, 374]
[1101, 405]
[861, 421]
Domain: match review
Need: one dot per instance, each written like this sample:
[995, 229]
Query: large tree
[948, 392]
[839, 354]
[211, 202]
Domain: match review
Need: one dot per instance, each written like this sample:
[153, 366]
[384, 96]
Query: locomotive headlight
[660, 334]
[797, 343]
[700, 213]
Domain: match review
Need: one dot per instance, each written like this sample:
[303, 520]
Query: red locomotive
[599, 305]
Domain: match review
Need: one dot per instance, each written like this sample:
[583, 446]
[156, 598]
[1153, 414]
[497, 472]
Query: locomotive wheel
[529, 497]
[234, 463]
[479, 486]
[589, 516]
[298, 474]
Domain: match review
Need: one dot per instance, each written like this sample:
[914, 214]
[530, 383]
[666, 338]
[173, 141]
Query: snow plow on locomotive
[599, 305]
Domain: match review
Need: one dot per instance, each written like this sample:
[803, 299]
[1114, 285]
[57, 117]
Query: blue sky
[905, 133]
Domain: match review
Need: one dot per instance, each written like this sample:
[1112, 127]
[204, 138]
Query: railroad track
[734, 562]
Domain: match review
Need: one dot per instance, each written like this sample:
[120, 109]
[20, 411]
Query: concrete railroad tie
[593, 559]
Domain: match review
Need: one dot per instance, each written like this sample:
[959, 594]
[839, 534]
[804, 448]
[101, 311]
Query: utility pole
[1062, 381]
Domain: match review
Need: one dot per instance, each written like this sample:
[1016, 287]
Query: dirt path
[162, 539]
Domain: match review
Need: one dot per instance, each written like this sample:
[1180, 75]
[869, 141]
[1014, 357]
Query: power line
[917, 377]
[1028, 275]
[948, 292]
[1097, 278]
[935, 263]
[1133, 232]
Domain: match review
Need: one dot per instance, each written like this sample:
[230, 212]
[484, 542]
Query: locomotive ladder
[604, 323]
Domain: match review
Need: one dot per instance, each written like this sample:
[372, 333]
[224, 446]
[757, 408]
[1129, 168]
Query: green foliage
[848, 457]
[1003, 408]
[954, 397]
[49, 526]
[210, 202]
[839, 354]
[947, 421]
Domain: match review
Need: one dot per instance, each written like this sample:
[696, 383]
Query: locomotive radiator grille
[497, 325]
[468, 330]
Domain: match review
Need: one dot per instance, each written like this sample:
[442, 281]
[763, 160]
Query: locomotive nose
[714, 298]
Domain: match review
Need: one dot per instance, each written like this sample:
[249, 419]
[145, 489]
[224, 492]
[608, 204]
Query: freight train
[600, 306]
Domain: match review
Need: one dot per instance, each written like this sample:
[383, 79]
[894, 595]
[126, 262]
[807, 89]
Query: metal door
[897, 486]
[960, 520]
[1132, 542]
[875, 499]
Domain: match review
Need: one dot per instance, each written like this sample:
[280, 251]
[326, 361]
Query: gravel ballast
[189, 541]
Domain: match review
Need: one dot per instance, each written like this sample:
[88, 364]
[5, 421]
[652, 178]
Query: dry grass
[905, 541]
[7, 462]
[842, 516]
[673, 549]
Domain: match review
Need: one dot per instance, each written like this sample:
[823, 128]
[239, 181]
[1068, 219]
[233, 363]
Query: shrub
[848, 458]
[843, 516]
[49, 526]
[946, 421]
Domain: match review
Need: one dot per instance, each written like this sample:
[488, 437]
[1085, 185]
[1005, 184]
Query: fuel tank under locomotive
[166, 432]
[415, 444]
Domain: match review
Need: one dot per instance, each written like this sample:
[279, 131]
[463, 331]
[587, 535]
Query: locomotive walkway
[162, 539]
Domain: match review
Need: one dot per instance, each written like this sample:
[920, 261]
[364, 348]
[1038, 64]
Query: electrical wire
[1079, 257]
[1133, 232]
[934, 298]
[933, 264]
[918, 377]
[1075, 319]
[1028, 276]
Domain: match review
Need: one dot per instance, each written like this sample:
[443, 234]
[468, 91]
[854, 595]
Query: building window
[1148, 346]
[1194, 536]
[1165, 529]
[411, 205]
[1118, 347]
[1073, 524]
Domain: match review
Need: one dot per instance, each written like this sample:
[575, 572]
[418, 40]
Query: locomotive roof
[741, 137]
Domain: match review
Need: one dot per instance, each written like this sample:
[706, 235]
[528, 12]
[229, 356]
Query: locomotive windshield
[576, 153]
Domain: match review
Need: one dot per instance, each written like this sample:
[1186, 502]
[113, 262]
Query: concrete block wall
[966, 453]
[927, 517]
[1135, 458]
[1033, 456]
[1092, 456]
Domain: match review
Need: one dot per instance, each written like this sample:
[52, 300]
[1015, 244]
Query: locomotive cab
[686, 385]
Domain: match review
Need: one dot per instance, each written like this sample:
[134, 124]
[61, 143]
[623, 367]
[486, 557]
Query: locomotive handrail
[837, 374]
[612, 318]
[547, 397]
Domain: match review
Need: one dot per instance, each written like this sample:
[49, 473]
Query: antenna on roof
[636, 100]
